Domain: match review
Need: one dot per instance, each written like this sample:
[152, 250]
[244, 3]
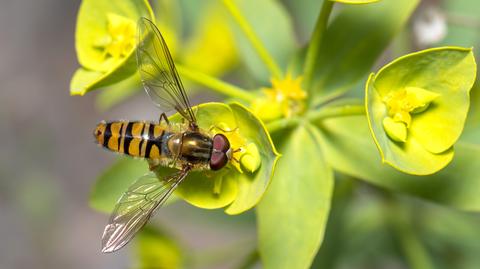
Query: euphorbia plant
[414, 111]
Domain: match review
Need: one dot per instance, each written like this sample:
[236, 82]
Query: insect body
[165, 144]
[179, 145]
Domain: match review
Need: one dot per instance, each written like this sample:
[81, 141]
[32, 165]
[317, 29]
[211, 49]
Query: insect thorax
[188, 147]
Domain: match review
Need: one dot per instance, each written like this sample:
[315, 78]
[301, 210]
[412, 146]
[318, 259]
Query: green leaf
[293, 214]
[353, 42]
[106, 60]
[115, 180]
[251, 187]
[444, 229]
[428, 90]
[155, 249]
[112, 183]
[349, 149]
[276, 34]
[241, 191]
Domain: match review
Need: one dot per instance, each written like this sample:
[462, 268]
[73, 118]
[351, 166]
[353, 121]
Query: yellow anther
[285, 98]
[121, 36]
[400, 105]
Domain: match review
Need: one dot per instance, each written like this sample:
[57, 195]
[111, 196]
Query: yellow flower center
[284, 99]
[120, 39]
[400, 105]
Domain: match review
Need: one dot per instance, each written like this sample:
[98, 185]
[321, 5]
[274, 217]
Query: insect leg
[152, 165]
[221, 129]
[217, 185]
[164, 117]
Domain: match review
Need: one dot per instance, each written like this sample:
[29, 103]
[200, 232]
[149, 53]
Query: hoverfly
[184, 146]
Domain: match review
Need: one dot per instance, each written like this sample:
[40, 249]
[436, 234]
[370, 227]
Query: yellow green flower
[105, 42]
[417, 106]
[400, 105]
[120, 40]
[284, 99]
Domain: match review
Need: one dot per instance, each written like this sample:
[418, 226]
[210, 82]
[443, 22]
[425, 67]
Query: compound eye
[220, 143]
[218, 160]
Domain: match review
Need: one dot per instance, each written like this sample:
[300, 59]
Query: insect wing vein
[136, 206]
[157, 70]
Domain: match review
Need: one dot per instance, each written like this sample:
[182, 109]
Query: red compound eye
[220, 143]
[218, 160]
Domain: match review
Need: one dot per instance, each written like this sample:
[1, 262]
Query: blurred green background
[49, 162]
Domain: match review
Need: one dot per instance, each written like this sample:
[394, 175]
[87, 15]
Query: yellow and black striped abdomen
[134, 138]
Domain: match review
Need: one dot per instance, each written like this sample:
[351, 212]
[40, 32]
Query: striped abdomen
[134, 138]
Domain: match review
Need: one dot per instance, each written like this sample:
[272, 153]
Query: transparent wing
[136, 206]
[157, 70]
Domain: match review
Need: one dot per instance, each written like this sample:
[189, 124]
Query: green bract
[233, 186]
[105, 42]
[417, 106]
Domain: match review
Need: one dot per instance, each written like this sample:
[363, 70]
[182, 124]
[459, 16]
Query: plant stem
[315, 116]
[253, 38]
[399, 217]
[315, 43]
[402, 44]
[215, 84]
[284, 123]
[336, 111]
[416, 254]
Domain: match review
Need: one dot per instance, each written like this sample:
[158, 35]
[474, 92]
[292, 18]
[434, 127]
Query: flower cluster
[284, 99]
[120, 40]
[401, 104]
